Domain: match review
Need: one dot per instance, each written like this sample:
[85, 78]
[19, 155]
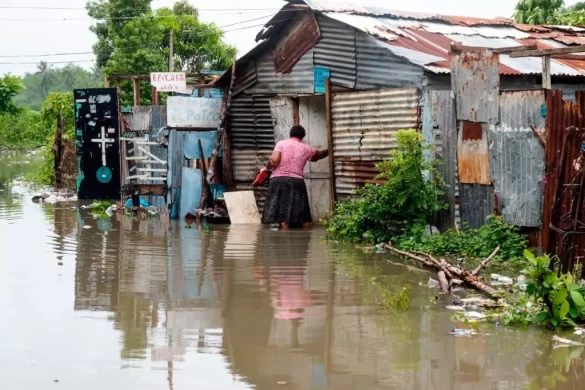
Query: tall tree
[140, 44]
[537, 11]
[46, 73]
[112, 16]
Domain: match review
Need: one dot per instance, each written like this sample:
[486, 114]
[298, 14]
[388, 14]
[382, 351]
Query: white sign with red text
[168, 81]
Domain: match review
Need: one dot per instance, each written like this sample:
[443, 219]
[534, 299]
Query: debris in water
[433, 283]
[282, 383]
[474, 315]
[454, 308]
[87, 227]
[462, 332]
[567, 342]
[579, 332]
[502, 279]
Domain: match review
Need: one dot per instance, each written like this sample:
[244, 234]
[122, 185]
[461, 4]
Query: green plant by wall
[551, 299]
[468, 242]
[383, 211]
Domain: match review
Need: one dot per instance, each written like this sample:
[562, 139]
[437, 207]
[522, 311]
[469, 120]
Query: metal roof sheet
[432, 35]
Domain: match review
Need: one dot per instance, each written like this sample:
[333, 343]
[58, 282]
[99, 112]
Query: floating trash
[566, 342]
[433, 283]
[454, 308]
[502, 279]
[474, 315]
[462, 332]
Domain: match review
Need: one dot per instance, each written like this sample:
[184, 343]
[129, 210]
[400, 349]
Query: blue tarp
[207, 142]
[191, 182]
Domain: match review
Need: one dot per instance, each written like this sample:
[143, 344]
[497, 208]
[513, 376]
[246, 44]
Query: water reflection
[153, 304]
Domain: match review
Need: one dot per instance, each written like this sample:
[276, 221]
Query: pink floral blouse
[294, 157]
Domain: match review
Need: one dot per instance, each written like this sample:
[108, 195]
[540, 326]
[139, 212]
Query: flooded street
[126, 304]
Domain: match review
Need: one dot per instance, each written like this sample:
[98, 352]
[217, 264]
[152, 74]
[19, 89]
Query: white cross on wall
[103, 141]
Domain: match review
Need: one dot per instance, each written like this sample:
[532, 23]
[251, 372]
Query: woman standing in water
[287, 203]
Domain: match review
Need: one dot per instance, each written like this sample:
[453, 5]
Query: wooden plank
[136, 84]
[546, 78]
[328, 114]
[242, 208]
[549, 52]
[500, 50]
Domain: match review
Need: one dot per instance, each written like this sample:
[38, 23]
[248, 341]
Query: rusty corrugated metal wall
[336, 51]
[476, 82]
[252, 137]
[472, 153]
[299, 80]
[364, 128]
[517, 157]
[377, 67]
[563, 214]
[439, 128]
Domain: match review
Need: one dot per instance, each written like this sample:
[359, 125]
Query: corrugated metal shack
[392, 70]
[159, 160]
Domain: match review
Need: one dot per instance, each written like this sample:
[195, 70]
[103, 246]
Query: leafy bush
[551, 299]
[468, 242]
[383, 211]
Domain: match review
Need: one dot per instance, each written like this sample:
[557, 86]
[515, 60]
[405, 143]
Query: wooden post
[328, 113]
[171, 51]
[154, 96]
[220, 131]
[227, 160]
[106, 82]
[136, 83]
[121, 144]
[546, 79]
[58, 151]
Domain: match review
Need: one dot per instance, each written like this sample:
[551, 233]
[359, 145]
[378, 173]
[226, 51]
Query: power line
[91, 60]
[145, 9]
[146, 46]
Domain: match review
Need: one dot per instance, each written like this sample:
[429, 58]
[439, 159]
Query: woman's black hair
[298, 132]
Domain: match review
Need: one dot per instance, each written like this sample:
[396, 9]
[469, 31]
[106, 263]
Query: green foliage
[405, 199]
[46, 79]
[560, 297]
[137, 41]
[478, 243]
[22, 130]
[537, 11]
[551, 299]
[99, 207]
[10, 86]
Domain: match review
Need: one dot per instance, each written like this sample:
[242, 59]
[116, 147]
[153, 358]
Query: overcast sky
[27, 33]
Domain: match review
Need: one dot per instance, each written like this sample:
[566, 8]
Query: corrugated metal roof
[433, 34]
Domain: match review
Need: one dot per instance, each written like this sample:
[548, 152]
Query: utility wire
[142, 9]
[146, 46]
[91, 60]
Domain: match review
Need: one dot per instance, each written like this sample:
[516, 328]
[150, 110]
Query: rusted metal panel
[476, 204]
[245, 78]
[353, 174]
[247, 162]
[250, 122]
[476, 83]
[301, 36]
[336, 51]
[440, 128]
[517, 157]
[270, 82]
[378, 67]
[563, 213]
[141, 118]
[472, 154]
[365, 123]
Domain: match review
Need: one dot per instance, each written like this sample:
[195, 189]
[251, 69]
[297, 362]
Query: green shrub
[551, 299]
[468, 242]
[383, 211]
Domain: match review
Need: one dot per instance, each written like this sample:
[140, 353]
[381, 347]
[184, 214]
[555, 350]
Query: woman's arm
[320, 155]
[273, 161]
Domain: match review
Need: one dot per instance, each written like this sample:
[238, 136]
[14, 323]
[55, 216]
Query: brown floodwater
[145, 304]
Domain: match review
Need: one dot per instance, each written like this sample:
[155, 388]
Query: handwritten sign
[320, 75]
[168, 81]
[193, 112]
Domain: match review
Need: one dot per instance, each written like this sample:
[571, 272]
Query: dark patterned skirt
[287, 201]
